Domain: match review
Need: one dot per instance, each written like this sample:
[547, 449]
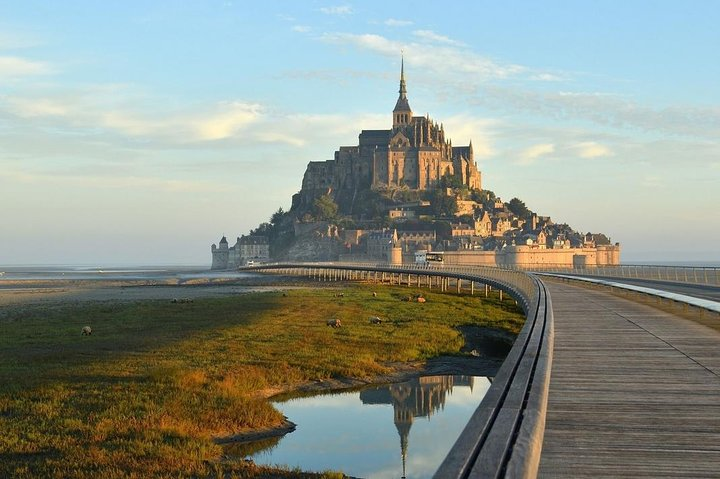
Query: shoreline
[462, 364]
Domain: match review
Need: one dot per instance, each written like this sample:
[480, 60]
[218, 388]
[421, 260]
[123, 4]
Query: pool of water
[404, 429]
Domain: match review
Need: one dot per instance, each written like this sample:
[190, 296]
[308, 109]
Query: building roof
[254, 240]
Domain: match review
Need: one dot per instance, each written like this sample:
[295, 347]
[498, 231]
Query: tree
[277, 217]
[442, 204]
[519, 209]
[325, 209]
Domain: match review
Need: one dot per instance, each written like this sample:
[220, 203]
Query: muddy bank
[482, 354]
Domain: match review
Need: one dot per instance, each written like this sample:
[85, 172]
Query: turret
[402, 114]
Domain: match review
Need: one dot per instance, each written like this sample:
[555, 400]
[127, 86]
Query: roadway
[634, 390]
[702, 291]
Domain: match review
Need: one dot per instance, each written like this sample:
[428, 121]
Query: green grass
[146, 393]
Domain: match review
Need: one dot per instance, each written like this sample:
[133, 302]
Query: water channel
[397, 430]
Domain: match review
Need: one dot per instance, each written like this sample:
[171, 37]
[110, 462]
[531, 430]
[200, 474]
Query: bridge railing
[504, 435]
[681, 274]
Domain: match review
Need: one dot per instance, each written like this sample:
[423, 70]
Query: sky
[137, 132]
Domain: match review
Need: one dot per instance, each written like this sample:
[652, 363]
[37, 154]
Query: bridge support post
[472, 288]
[487, 290]
[500, 291]
[458, 285]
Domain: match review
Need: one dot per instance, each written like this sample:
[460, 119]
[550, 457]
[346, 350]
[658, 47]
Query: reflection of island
[420, 397]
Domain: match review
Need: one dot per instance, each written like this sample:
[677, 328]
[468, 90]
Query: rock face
[312, 248]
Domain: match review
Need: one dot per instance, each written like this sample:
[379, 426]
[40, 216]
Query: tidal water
[89, 273]
[404, 429]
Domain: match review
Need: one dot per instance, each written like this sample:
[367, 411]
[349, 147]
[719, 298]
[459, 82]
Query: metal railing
[679, 274]
[504, 436]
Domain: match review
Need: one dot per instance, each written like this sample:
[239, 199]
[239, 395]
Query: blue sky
[140, 132]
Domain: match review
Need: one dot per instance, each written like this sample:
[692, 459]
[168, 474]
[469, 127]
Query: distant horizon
[192, 266]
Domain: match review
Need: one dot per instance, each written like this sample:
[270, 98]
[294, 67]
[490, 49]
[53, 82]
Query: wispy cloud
[590, 149]
[431, 36]
[17, 67]
[530, 155]
[95, 182]
[301, 28]
[609, 110]
[442, 59]
[394, 22]
[337, 10]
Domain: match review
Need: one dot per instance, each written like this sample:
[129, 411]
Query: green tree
[518, 207]
[325, 209]
[442, 204]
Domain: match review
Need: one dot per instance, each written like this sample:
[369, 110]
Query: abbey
[414, 154]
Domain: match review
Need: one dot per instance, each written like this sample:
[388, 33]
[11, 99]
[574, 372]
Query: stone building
[414, 153]
[247, 248]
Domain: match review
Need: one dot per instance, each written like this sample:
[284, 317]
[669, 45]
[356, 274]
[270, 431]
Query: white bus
[429, 258]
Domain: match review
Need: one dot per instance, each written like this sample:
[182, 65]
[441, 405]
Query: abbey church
[414, 154]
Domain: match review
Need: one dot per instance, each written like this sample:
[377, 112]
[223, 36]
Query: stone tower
[402, 114]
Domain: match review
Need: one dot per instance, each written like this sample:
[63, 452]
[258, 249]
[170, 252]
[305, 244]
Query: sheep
[334, 323]
[420, 299]
[86, 331]
[375, 320]
[181, 301]
[374, 294]
[340, 295]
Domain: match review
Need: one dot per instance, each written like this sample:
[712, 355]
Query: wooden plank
[634, 392]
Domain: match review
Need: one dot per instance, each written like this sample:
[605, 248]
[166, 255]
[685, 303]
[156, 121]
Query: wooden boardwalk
[634, 391]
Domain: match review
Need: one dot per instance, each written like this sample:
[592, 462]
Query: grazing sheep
[181, 301]
[375, 320]
[374, 294]
[86, 331]
[334, 323]
[340, 295]
[420, 299]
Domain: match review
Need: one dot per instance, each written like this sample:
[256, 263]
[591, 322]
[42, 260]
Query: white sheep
[86, 331]
[375, 320]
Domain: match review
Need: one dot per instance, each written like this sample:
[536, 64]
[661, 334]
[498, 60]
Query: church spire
[402, 114]
[403, 88]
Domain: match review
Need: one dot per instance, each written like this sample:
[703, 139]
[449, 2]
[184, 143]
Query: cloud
[463, 128]
[90, 110]
[444, 61]
[393, 22]
[431, 36]
[227, 122]
[113, 182]
[590, 149]
[37, 107]
[301, 28]
[529, 155]
[604, 109]
[337, 10]
[16, 67]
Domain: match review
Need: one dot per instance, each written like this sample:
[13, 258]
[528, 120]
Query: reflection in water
[357, 432]
[420, 397]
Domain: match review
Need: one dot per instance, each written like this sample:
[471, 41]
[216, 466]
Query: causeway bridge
[612, 375]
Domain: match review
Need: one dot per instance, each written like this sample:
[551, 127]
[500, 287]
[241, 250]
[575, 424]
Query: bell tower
[402, 114]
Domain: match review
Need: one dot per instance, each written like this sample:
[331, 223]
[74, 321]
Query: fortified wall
[524, 256]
